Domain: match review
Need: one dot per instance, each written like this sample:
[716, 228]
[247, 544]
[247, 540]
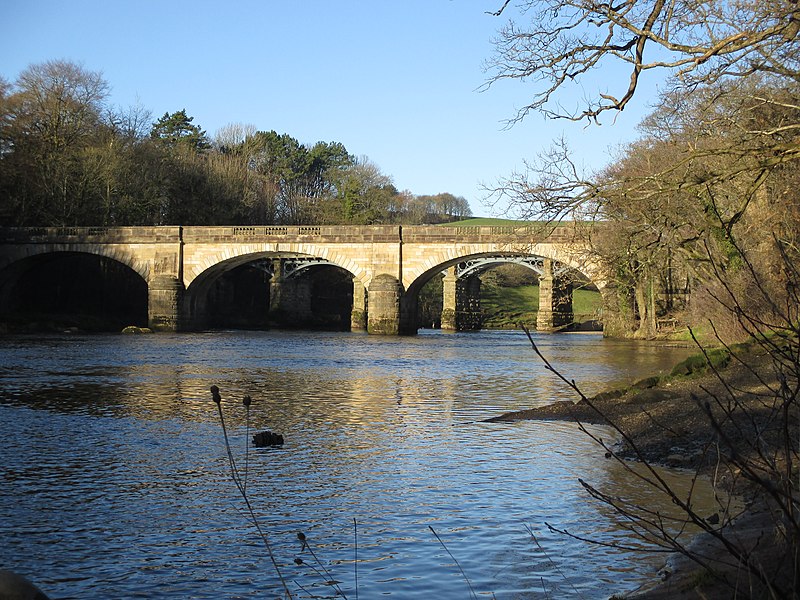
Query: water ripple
[115, 482]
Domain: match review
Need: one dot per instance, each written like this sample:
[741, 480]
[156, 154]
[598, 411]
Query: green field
[489, 222]
[507, 307]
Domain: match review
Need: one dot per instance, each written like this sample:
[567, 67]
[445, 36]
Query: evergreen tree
[178, 131]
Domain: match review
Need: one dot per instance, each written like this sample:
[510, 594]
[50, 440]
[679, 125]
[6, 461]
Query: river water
[115, 481]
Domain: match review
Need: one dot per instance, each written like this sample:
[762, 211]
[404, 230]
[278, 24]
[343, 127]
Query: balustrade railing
[321, 233]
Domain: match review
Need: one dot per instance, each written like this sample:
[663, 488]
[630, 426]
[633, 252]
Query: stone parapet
[105, 235]
[329, 234]
[508, 234]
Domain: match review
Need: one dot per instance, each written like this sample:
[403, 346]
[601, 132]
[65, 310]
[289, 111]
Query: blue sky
[394, 80]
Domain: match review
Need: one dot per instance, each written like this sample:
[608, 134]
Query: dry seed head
[215, 394]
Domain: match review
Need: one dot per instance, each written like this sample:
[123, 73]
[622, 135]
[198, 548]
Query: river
[116, 482]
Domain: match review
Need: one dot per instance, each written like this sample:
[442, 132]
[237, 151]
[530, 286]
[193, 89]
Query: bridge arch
[461, 293]
[476, 266]
[289, 294]
[232, 256]
[74, 287]
[438, 261]
[114, 252]
[425, 276]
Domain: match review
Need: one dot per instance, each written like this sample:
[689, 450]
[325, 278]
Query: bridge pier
[461, 302]
[289, 297]
[449, 293]
[383, 316]
[165, 303]
[358, 316]
[555, 300]
[468, 304]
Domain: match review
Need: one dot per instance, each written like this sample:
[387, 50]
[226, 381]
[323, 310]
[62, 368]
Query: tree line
[69, 158]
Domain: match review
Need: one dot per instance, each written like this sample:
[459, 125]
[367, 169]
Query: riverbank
[664, 421]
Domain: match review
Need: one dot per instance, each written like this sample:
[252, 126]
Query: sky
[396, 81]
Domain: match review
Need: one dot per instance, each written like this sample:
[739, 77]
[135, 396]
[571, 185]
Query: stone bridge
[389, 264]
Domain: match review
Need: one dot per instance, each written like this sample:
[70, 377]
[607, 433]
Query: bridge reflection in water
[384, 267]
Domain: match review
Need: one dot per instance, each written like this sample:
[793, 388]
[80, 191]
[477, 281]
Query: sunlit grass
[488, 222]
[507, 307]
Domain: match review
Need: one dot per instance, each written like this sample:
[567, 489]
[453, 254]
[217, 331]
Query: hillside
[487, 222]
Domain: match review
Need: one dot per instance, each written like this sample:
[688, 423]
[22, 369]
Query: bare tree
[50, 117]
[696, 43]
[232, 135]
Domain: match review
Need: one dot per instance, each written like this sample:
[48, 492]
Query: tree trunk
[645, 306]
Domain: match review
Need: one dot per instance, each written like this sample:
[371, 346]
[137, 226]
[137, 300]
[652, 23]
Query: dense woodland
[69, 158]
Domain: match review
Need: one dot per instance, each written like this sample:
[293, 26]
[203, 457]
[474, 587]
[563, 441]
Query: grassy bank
[507, 307]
